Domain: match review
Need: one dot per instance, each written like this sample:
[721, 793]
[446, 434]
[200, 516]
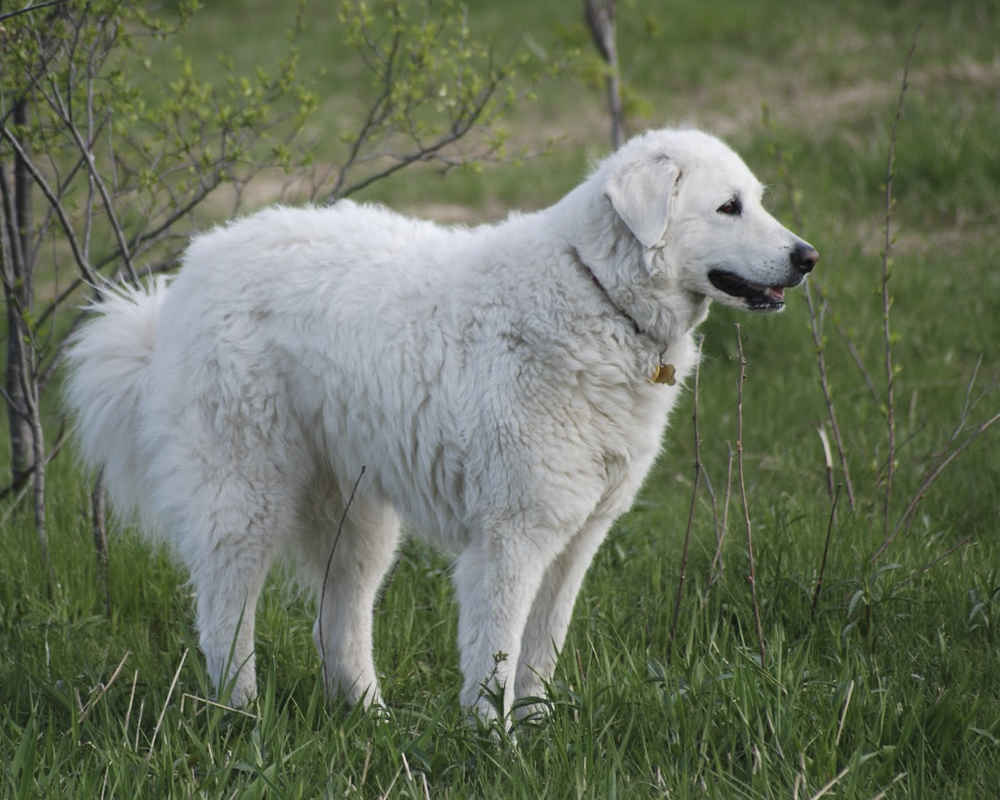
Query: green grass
[893, 684]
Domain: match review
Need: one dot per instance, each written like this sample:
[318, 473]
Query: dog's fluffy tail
[109, 369]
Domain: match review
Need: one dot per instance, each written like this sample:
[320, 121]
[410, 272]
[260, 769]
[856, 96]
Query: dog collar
[662, 373]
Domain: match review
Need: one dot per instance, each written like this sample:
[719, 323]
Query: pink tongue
[778, 293]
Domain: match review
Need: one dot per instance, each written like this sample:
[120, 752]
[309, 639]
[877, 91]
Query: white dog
[504, 389]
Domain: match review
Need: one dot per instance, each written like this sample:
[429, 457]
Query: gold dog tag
[664, 373]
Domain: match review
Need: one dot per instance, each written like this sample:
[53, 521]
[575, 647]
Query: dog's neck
[636, 327]
[630, 278]
[641, 304]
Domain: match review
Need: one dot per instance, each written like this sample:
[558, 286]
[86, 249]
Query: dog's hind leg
[346, 565]
[228, 570]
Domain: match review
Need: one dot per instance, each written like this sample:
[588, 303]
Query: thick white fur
[495, 392]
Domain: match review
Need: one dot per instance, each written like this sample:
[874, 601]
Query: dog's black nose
[804, 257]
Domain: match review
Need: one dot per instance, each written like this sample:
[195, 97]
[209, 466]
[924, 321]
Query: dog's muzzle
[758, 297]
[762, 297]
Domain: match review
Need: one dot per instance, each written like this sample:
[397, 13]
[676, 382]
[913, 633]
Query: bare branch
[826, 550]
[752, 577]
[61, 438]
[694, 500]
[964, 542]
[166, 702]
[430, 152]
[326, 574]
[968, 394]
[102, 688]
[169, 263]
[722, 527]
[48, 49]
[29, 9]
[890, 371]
[13, 406]
[59, 190]
[816, 326]
[855, 356]
[57, 206]
[377, 114]
[63, 112]
[929, 477]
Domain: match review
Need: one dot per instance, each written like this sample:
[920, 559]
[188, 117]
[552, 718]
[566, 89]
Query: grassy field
[889, 688]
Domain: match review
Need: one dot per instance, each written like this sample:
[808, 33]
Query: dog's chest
[625, 428]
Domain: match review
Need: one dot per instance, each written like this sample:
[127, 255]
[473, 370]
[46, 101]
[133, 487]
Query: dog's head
[696, 209]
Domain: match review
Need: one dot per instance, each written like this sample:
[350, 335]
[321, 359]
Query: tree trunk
[18, 297]
[99, 518]
[600, 18]
[17, 407]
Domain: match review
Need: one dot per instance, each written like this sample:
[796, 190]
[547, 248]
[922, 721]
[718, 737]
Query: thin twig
[388, 792]
[855, 356]
[934, 562]
[28, 9]
[890, 370]
[816, 326]
[831, 783]
[694, 500]
[378, 112]
[12, 506]
[56, 204]
[390, 113]
[109, 207]
[163, 711]
[430, 151]
[826, 550]
[216, 704]
[22, 482]
[713, 500]
[968, 394]
[723, 527]
[326, 575]
[167, 264]
[929, 478]
[103, 688]
[752, 577]
[893, 782]
[48, 50]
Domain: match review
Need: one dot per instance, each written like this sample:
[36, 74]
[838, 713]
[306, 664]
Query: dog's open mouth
[758, 296]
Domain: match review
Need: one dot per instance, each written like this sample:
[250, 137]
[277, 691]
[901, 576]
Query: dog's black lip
[754, 293]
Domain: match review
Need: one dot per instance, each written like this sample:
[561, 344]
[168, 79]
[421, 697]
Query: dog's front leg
[551, 611]
[496, 583]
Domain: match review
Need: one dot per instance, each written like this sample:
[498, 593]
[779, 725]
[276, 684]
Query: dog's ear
[640, 193]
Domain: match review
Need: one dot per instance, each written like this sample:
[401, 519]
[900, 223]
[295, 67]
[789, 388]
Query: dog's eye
[732, 207]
